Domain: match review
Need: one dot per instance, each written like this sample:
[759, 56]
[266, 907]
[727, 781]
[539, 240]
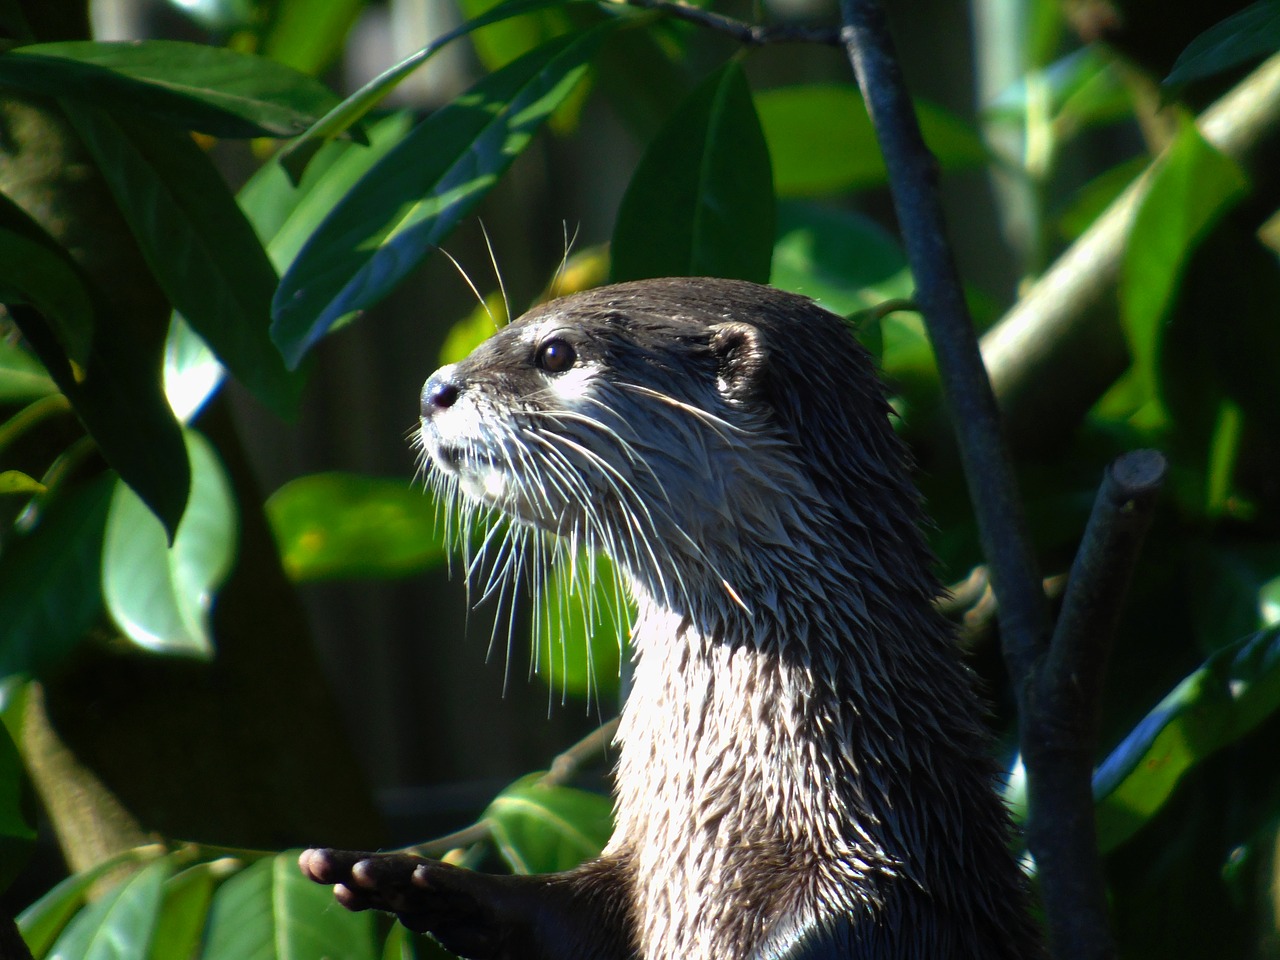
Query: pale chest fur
[720, 780]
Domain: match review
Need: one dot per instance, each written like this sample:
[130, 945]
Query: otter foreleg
[481, 916]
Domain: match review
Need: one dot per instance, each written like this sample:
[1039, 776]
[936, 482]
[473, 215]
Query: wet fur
[802, 772]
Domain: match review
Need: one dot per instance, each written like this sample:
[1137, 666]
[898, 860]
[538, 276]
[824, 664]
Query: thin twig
[751, 34]
[563, 768]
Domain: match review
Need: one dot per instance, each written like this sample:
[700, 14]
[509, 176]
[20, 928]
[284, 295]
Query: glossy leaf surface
[1247, 35]
[331, 525]
[198, 244]
[22, 378]
[270, 911]
[160, 596]
[190, 85]
[542, 829]
[701, 201]
[416, 194]
[120, 924]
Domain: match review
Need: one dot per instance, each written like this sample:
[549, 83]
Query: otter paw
[425, 895]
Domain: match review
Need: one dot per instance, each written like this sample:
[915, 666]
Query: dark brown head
[687, 427]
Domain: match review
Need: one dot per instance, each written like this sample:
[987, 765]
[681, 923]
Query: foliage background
[142, 714]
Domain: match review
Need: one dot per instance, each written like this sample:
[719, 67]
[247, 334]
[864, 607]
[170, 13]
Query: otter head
[677, 425]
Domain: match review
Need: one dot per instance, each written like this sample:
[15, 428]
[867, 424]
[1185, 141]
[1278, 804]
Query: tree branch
[750, 34]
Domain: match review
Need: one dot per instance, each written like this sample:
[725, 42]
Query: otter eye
[555, 356]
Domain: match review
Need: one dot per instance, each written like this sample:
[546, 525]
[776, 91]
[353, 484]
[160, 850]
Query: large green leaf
[701, 201]
[1231, 694]
[45, 920]
[212, 89]
[49, 593]
[121, 923]
[187, 896]
[159, 595]
[299, 153]
[1193, 185]
[844, 260]
[821, 140]
[197, 243]
[330, 525]
[271, 911]
[413, 197]
[543, 829]
[286, 215]
[35, 270]
[499, 44]
[1250, 34]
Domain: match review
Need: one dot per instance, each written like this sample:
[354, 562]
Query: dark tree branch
[1062, 712]
[750, 34]
[1024, 619]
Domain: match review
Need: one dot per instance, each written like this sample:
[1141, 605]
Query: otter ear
[740, 358]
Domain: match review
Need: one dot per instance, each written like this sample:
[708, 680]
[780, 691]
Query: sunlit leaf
[411, 199]
[330, 525]
[1250, 34]
[505, 41]
[120, 924]
[44, 921]
[211, 89]
[1192, 186]
[821, 140]
[184, 910]
[192, 372]
[1222, 701]
[160, 596]
[48, 582]
[701, 201]
[298, 154]
[543, 829]
[271, 911]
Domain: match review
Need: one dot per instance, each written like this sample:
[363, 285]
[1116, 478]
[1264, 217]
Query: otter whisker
[484, 304]
[723, 428]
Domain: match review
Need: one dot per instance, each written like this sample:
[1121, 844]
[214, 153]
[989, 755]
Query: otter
[802, 771]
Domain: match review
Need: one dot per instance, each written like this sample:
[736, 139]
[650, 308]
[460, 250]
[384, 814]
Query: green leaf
[308, 35]
[844, 260]
[302, 208]
[15, 481]
[49, 582]
[271, 911]
[191, 371]
[160, 596]
[38, 272]
[582, 618]
[211, 89]
[197, 243]
[44, 921]
[544, 829]
[821, 140]
[511, 38]
[413, 197]
[298, 154]
[701, 201]
[331, 525]
[119, 399]
[1192, 186]
[1250, 34]
[120, 924]
[1235, 690]
[187, 896]
[22, 378]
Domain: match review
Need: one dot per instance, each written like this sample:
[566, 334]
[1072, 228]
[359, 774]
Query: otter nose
[439, 394]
